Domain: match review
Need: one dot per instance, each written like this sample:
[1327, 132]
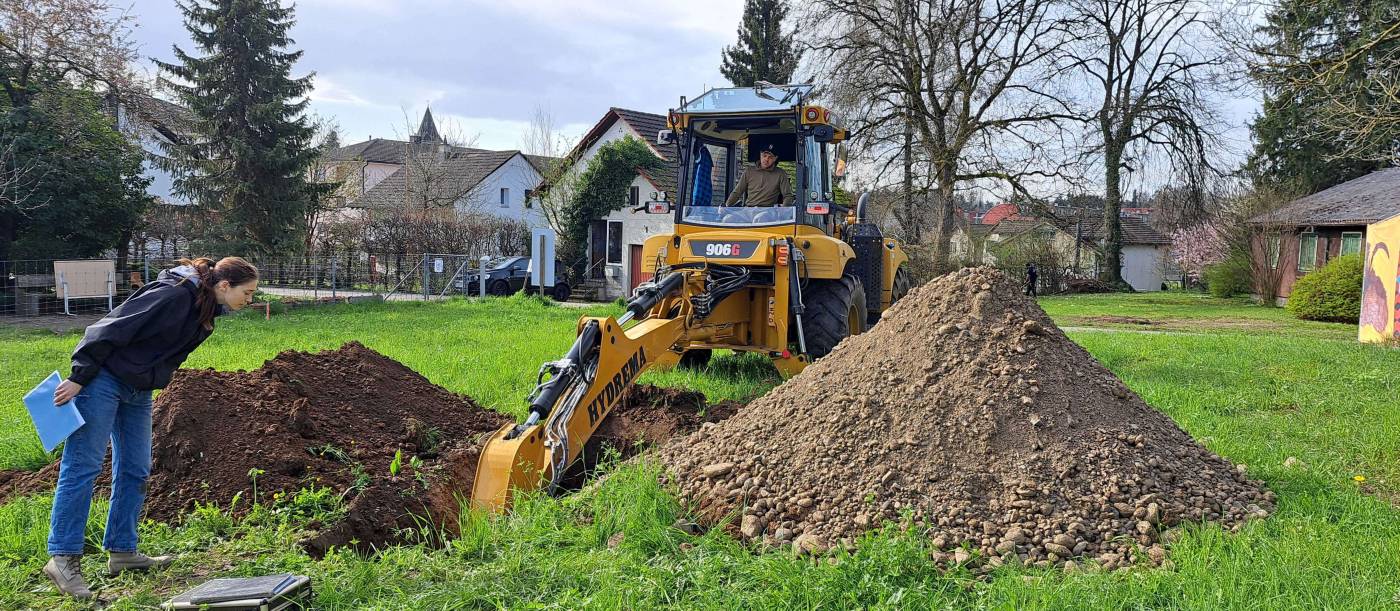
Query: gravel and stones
[968, 416]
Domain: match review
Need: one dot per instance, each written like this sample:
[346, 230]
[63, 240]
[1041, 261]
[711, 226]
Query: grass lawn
[1178, 311]
[1257, 394]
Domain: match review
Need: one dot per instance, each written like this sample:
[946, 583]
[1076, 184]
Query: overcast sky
[485, 66]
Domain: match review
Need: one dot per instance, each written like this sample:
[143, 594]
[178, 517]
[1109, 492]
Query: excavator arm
[575, 393]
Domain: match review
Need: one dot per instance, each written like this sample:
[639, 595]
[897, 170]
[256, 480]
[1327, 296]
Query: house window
[614, 242]
[529, 198]
[505, 196]
[1307, 252]
[634, 197]
[1274, 248]
[1351, 242]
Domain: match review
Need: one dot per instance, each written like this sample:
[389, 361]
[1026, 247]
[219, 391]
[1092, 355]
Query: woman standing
[120, 360]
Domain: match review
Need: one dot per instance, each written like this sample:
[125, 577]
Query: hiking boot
[135, 561]
[66, 573]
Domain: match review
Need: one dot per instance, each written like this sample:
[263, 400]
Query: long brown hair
[233, 269]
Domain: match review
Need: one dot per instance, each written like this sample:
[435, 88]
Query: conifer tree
[252, 145]
[1316, 60]
[763, 52]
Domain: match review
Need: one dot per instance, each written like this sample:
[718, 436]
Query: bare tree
[1148, 64]
[558, 181]
[437, 171]
[328, 172]
[1252, 234]
[972, 79]
[87, 41]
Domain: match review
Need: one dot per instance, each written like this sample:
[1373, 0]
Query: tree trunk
[7, 235]
[943, 222]
[123, 251]
[914, 231]
[1112, 270]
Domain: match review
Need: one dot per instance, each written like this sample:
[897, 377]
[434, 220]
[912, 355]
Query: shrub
[1228, 278]
[1332, 293]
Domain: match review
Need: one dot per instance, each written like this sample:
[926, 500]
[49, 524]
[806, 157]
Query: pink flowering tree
[1195, 247]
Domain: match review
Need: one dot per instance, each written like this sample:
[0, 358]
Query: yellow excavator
[789, 280]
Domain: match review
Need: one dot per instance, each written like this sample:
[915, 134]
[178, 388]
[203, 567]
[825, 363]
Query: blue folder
[53, 422]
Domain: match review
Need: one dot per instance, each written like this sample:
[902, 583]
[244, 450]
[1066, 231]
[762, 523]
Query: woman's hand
[65, 392]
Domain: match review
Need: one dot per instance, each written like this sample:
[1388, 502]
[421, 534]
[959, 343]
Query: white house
[615, 241]
[153, 124]
[382, 174]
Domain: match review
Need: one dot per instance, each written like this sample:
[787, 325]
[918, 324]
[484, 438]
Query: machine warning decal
[740, 249]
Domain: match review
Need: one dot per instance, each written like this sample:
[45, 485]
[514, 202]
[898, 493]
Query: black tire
[835, 309]
[698, 358]
[498, 287]
[901, 286]
[560, 292]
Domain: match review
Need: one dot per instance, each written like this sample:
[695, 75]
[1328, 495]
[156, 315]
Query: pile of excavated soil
[335, 419]
[969, 412]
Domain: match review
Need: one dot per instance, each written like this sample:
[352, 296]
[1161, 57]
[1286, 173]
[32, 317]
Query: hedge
[1332, 293]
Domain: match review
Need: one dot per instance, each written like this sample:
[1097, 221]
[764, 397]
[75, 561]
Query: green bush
[1332, 293]
[1228, 278]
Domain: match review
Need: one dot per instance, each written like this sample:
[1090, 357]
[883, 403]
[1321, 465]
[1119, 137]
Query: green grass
[1255, 397]
[489, 350]
[1179, 311]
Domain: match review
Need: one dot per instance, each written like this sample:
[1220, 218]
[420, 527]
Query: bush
[1332, 293]
[1228, 278]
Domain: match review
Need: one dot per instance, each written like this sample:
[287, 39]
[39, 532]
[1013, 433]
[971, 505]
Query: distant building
[613, 266]
[1310, 231]
[1080, 246]
[153, 124]
[381, 175]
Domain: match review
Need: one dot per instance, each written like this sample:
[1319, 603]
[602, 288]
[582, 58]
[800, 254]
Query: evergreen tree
[763, 52]
[1297, 145]
[248, 161]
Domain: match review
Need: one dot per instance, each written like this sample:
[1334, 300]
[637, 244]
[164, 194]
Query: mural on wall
[1380, 286]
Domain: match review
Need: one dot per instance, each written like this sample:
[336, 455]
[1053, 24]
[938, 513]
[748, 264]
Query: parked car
[509, 275]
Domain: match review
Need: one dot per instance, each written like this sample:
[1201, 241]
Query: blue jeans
[111, 409]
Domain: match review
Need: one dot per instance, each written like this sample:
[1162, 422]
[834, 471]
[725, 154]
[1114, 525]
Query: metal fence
[48, 287]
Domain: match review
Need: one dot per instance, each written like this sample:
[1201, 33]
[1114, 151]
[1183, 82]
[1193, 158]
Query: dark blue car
[509, 275]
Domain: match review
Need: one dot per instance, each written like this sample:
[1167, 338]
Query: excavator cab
[789, 280]
[842, 269]
[724, 128]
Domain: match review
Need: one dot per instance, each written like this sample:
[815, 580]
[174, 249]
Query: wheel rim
[853, 321]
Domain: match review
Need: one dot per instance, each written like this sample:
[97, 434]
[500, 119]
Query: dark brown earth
[335, 419]
[968, 416]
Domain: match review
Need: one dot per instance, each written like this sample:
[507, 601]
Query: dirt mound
[968, 415]
[332, 419]
[336, 419]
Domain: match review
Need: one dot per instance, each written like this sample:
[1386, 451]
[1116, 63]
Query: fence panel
[37, 288]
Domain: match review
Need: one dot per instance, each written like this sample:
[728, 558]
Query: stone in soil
[968, 411]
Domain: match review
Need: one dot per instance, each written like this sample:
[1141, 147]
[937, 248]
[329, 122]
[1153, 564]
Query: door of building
[635, 275]
[598, 248]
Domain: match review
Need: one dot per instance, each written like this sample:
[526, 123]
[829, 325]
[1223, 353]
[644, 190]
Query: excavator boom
[576, 393]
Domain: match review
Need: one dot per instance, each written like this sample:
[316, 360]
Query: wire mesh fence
[32, 288]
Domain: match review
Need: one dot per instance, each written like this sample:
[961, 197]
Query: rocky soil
[965, 415]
